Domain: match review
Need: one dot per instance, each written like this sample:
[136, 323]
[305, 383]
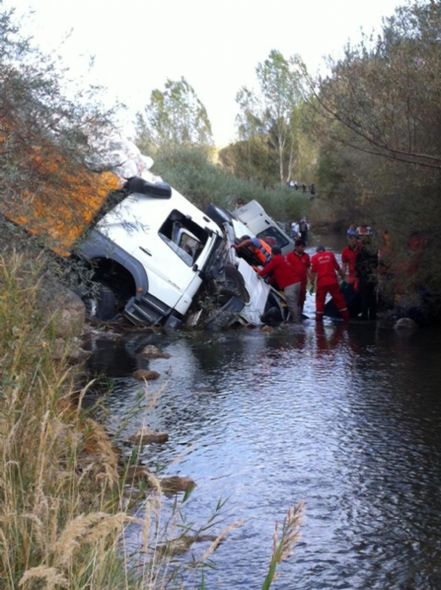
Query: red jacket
[300, 264]
[282, 273]
[324, 265]
[349, 256]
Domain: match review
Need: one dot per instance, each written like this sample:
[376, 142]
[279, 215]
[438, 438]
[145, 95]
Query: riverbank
[60, 498]
[67, 495]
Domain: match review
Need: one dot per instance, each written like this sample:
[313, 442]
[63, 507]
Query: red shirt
[300, 264]
[324, 264]
[281, 271]
[349, 256]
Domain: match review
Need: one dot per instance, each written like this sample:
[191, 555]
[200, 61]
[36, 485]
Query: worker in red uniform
[300, 262]
[283, 275]
[324, 267]
[348, 258]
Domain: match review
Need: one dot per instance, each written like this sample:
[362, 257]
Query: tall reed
[66, 499]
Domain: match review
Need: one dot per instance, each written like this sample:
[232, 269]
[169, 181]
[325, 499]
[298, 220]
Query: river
[346, 419]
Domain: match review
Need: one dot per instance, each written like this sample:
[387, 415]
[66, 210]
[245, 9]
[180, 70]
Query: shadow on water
[346, 419]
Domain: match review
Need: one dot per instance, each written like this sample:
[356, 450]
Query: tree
[387, 94]
[377, 117]
[251, 159]
[44, 137]
[174, 116]
[273, 111]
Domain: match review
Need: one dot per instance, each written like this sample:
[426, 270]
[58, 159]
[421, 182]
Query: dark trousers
[368, 300]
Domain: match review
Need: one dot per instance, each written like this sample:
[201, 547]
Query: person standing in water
[324, 269]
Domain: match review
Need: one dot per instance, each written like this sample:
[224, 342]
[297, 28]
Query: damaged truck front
[162, 261]
[153, 256]
[151, 253]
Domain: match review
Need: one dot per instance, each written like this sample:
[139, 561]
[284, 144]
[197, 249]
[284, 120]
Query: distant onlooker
[303, 230]
[352, 230]
[294, 230]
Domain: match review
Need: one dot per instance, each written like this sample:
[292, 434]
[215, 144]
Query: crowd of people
[368, 273]
[294, 184]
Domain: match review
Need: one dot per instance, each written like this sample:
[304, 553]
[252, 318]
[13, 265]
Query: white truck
[161, 261]
[149, 252]
[254, 216]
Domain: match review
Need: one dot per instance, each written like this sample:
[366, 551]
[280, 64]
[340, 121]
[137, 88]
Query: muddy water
[348, 420]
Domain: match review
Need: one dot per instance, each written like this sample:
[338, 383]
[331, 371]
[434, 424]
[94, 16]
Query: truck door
[174, 257]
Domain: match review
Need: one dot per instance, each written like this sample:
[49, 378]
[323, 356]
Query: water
[348, 420]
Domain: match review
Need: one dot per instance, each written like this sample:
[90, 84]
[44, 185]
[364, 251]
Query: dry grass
[64, 500]
[284, 544]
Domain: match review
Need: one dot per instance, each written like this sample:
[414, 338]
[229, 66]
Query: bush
[191, 171]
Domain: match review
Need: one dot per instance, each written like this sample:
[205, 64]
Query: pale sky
[215, 44]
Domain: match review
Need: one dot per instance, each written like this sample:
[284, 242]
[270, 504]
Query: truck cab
[152, 250]
[254, 216]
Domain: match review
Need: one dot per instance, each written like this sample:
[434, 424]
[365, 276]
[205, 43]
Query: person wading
[283, 275]
[300, 262]
[324, 268]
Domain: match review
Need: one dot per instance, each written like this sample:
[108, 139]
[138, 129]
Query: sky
[214, 44]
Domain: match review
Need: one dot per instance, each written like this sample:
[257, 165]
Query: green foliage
[35, 112]
[191, 171]
[251, 159]
[377, 119]
[272, 113]
[174, 116]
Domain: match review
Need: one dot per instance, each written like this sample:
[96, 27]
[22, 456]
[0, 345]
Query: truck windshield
[273, 236]
[185, 237]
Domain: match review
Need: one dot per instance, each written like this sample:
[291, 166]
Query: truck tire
[234, 284]
[102, 303]
[275, 312]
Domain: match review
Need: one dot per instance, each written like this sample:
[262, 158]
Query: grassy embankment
[64, 499]
[60, 502]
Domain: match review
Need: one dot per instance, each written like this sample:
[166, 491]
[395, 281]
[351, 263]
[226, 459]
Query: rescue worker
[348, 258]
[285, 278]
[300, 262]
[259, 250]
[324, 267]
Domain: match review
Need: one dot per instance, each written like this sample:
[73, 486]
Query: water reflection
[346, 419]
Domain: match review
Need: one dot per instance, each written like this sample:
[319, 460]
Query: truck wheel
[102, 303]
[234, 284]
[275, 312]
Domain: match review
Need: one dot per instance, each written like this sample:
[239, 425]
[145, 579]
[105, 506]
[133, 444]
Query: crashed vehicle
[153, 255]
[162, 261]
[257, 220]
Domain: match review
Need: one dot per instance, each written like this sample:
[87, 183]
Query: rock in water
[145, 436]
[405, 324]
[144, 374]
[153, 352]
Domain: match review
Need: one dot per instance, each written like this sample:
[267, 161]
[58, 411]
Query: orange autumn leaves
[62, 201]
